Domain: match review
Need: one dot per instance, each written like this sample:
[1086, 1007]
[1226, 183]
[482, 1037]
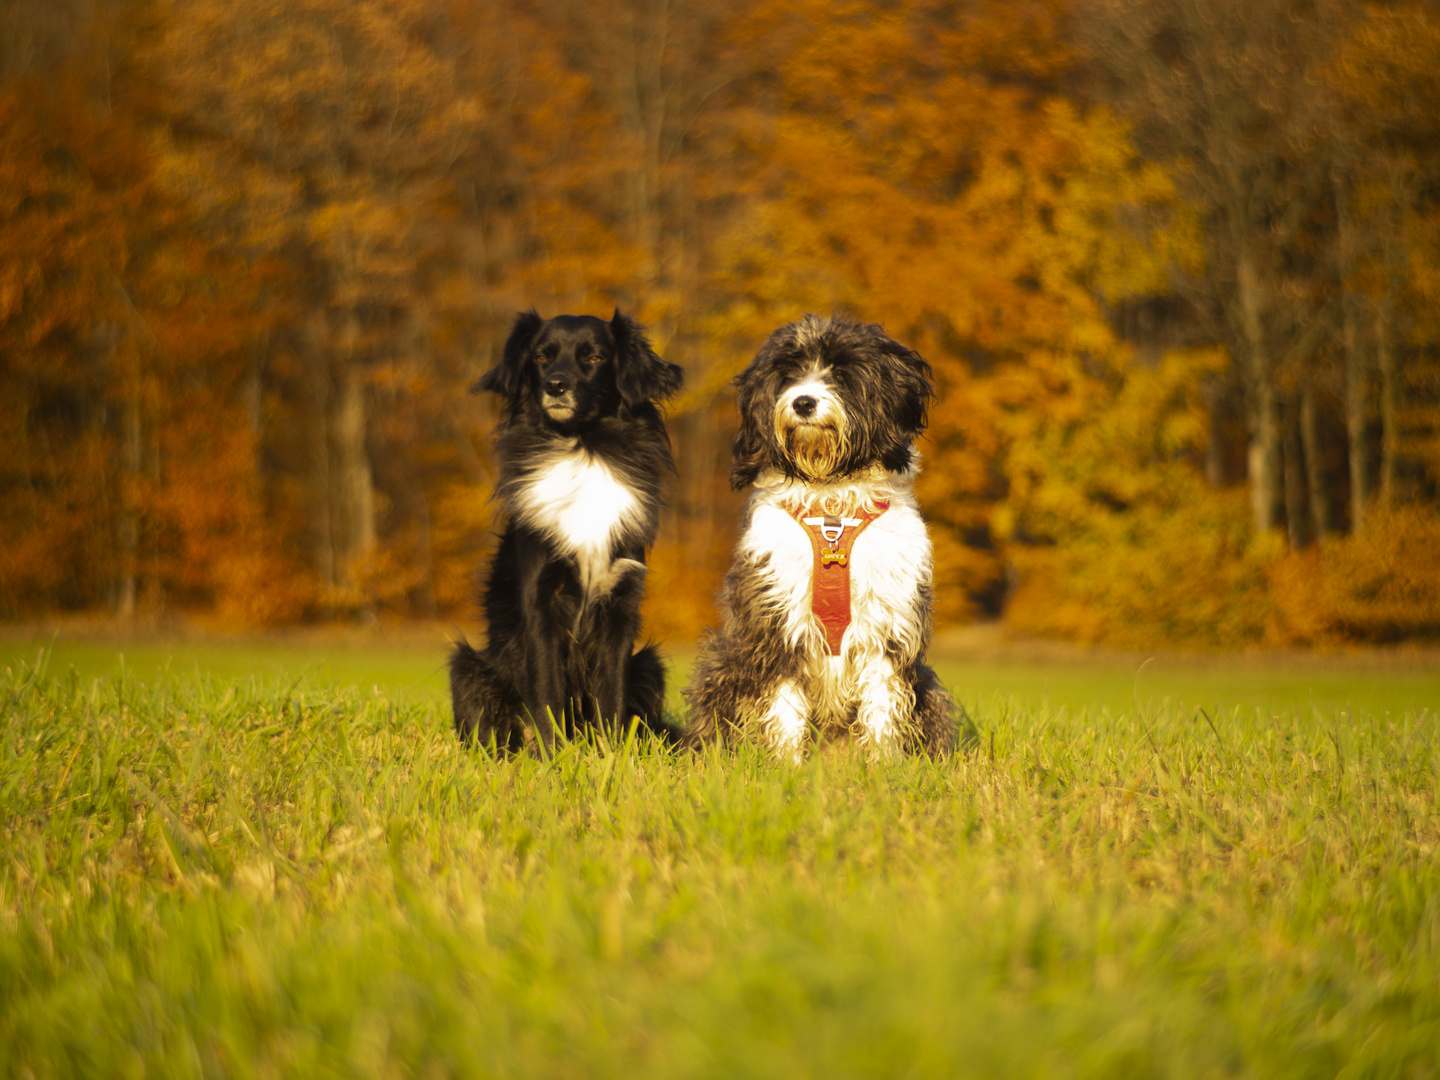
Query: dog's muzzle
[557, 400]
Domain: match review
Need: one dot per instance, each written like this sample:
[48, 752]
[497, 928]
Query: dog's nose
[556, 387]
[803, 405]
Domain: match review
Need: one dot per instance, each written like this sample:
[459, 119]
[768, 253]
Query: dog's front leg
[548, 617]
[884, 706]
[784, 720]
[608, 628]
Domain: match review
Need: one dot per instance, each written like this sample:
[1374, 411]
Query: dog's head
[828, 398]
[576, 369]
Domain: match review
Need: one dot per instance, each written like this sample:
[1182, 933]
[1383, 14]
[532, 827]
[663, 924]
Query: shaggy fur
[584, 464]
[830, 411]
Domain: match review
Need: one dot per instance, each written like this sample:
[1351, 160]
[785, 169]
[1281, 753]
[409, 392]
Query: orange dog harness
[831, 540]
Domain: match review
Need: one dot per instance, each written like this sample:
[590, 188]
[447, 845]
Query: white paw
[624, 568]
[785, 722]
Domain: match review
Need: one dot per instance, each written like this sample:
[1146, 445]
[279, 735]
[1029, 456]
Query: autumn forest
[1176, 264]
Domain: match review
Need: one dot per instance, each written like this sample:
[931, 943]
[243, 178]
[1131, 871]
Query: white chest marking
[580, 505]
[889, 563]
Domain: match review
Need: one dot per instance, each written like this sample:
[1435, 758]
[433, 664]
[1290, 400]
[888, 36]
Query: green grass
[296, 871]
[404, 672]
[413, 670]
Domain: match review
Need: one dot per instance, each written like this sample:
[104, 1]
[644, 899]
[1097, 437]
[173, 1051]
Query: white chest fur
[890, 562]
[579, 504]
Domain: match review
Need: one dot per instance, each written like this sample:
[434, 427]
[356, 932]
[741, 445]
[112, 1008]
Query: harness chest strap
[831, 540]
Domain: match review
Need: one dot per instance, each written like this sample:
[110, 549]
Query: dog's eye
[596, 358]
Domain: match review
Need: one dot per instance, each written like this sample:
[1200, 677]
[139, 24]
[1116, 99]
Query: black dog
[584, 463]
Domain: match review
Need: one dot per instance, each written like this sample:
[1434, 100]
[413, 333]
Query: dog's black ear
[753, 448]
[504, 378]
[640, 374]
[903, 395]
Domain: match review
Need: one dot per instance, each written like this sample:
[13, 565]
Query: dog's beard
[814, 451]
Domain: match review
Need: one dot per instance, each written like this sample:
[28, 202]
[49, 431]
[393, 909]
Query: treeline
[1175, 262]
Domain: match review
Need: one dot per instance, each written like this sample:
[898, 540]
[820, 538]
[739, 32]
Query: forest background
[1175, 263]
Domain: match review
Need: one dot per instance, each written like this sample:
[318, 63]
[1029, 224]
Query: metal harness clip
[831, 527]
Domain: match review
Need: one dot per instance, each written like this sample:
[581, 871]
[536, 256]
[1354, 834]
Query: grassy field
[410, 667]
[278, 862]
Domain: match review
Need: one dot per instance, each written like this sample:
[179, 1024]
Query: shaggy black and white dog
[826, 608]
[584, 462]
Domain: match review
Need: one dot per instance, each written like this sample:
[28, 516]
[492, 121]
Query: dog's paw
[620, 572]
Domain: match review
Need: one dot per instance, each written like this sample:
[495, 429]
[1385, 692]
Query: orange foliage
[123, 408]
[1126, 544]
[1189, 574]
[974, 216]
[243, 292]
[1378, 586]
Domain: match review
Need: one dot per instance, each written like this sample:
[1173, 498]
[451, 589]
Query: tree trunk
[1264, 453]
[1356, 412]
[1264, 457]
[1389, 396]
[1320, 510]
[1215, 471]
[355, 482]
[425, 553]
[317, 447]
[1296, 520]
[127, 587]
[254, 391]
